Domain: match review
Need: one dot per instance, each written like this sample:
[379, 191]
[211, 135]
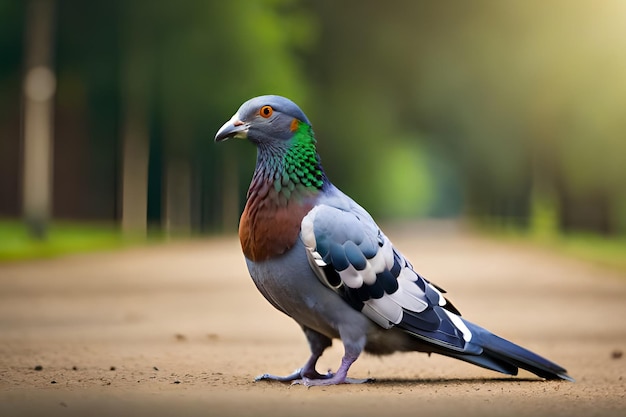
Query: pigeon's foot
[341, 376]
[297, 375]
[334, 380]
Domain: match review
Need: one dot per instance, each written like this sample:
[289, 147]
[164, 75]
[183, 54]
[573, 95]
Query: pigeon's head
[264, 119]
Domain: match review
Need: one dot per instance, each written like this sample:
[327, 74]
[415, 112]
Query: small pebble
[38, 368]
[617, 354]
[74, 368]
[53, 382]
[177, 382]
[155, 368]
[112, 368]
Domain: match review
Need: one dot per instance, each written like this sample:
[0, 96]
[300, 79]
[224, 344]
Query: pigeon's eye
[266, 111]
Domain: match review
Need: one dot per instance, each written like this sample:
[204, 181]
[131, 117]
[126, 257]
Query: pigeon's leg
[353, 348]
[318, 344]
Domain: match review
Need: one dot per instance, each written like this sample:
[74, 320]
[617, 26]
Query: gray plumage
[320, 258]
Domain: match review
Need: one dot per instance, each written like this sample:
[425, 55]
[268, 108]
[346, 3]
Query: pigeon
[320, 258]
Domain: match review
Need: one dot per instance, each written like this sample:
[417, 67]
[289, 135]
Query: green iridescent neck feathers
[292, 165]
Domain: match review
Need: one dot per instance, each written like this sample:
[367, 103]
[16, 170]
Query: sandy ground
[179, 329]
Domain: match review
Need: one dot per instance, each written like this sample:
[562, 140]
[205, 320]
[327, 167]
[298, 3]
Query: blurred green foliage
[63, 238]
[522, 99]
[509, 112]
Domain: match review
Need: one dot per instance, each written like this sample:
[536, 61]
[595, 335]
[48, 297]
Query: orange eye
[266, 111]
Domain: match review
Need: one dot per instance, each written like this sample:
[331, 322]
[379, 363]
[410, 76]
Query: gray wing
[351, 255]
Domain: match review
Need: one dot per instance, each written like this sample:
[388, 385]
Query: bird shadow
[446, 381]
[412, 382]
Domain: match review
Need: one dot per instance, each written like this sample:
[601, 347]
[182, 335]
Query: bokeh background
[505, 114]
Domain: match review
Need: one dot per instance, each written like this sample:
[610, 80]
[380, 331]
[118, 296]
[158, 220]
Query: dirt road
[179, 329]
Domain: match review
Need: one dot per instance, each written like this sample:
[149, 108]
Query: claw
[307, 382]
[297, 375]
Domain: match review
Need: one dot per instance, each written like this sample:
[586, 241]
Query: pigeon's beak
[234, 128]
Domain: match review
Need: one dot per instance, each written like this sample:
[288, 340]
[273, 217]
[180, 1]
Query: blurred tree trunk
[619, 213]
[230, 190]
[588, 211]
[39, 89]
[135, 170]
[135, 135]
[544, 202]
[177, 197]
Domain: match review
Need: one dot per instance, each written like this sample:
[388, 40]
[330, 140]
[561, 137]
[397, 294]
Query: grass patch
[600, 250]
[609, 252]
[62, 238]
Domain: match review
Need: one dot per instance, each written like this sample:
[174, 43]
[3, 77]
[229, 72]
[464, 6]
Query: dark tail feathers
[506, 357]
